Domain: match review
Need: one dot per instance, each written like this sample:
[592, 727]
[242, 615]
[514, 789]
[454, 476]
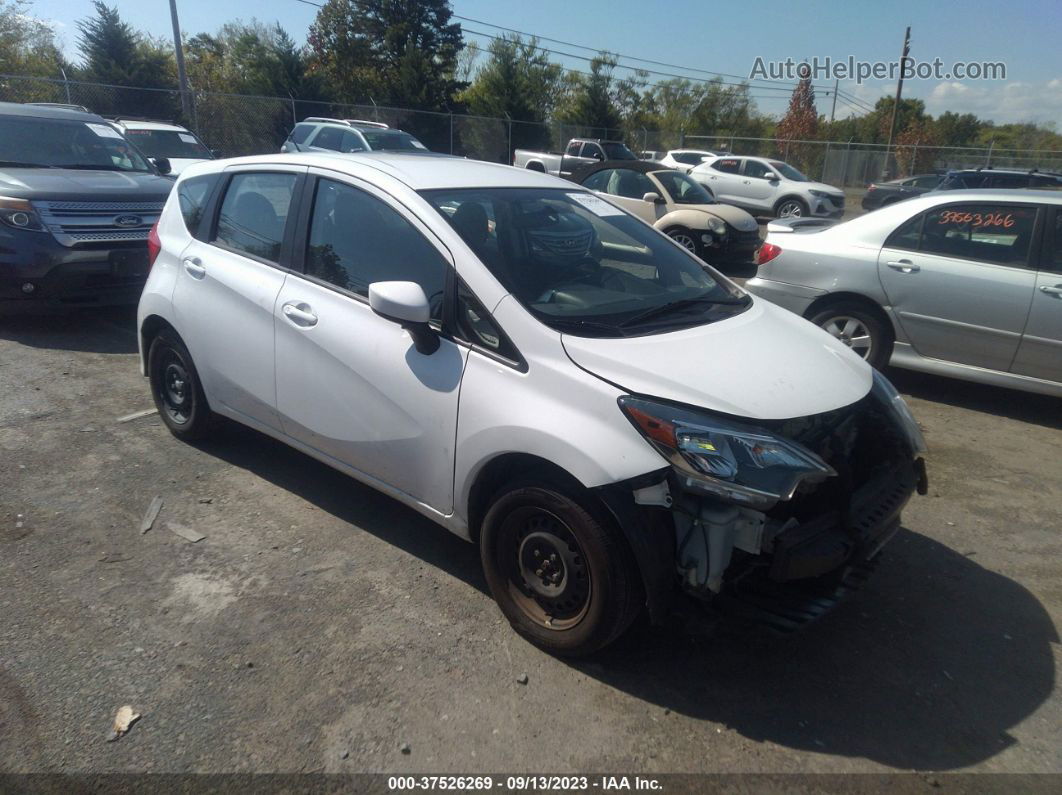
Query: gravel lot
[320, 626]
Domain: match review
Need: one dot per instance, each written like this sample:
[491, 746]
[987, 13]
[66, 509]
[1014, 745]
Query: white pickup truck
[579, 152]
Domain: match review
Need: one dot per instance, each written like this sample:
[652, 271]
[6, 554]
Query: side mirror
[771, 177]
[404, 303]
[597, 156]
[653, 198]
[162, 164]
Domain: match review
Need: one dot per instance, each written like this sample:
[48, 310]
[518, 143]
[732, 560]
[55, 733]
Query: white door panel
[224, 306]
[1040, 352]
[352, 386]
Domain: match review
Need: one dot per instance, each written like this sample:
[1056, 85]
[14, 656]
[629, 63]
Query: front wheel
[559, 569]
[685, 238]
[791, 208]
[858, 328]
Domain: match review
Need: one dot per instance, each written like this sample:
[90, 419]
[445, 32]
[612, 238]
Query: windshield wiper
[574, 323]
[88, 167]
[674, 306]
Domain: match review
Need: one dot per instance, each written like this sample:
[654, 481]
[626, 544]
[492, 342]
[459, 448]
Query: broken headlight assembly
[897, 407]
[740, 463]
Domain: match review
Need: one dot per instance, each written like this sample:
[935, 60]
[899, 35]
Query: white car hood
[764, 364]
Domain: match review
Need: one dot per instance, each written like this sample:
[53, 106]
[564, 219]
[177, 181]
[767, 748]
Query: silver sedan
[965, 284]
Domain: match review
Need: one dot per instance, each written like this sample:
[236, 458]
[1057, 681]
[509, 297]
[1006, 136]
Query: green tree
[27, 47]
[591, 99]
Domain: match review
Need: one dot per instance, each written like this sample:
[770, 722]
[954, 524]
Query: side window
[754, 168]
[351, 142]
[573, 148]
[192, 196]
[356, 239]
[906, 235]
[254, 213]
[630, 184]
[1054, 263]
[476, 325]
[926, 182]
[1008, 181]
[996, 233]
[301, 133]
[593, 150]
[329, 138]
[728, 166]
[599, 181]
[1045, 182]
[688, 158]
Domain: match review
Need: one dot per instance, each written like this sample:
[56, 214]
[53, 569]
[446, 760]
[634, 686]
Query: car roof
[45, 112]
[418, 170]
[145, 124]
[1019, 172]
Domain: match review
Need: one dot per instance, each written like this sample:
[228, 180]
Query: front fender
[691, 219]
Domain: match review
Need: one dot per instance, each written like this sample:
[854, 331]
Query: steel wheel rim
[790, 209]
[175, 388]
[685, 241]
[552, 588]
[851, 331]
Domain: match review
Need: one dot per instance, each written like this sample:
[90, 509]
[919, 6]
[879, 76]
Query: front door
[350, 384]
[760, 185]
[959, 280]
[226, 288]
[1040, 352]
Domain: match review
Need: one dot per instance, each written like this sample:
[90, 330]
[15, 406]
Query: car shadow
[346, 499]
[927, 668]
[88, 330]
[1028, 407]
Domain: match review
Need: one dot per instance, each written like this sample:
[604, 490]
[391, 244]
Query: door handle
[1055, 291]
[195, 268]
[903, 266]
[300, 314]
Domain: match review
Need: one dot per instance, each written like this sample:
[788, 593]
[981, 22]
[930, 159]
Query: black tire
[792, 206]
[847, 320]
[686, 238]
[536, 167]
[587, 590]
[176, 389]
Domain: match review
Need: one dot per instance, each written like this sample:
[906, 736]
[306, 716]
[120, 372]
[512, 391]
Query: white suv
[535, 369]
[318, 134]
[163, 140]
[768, 187]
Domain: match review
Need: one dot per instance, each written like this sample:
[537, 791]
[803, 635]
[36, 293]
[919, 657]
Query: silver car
[966, 284]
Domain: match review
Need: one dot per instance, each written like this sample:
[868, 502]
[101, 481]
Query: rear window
[254, 213]
[193, 194]
[301, 133]
[393, 140]
[727, 166]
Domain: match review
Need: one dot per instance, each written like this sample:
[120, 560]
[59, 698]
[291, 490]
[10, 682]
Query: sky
[728, 38]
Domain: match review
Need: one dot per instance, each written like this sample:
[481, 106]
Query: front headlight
[820, 194]
[737, 462]
[19, 214]
[894, 403]
[716, 225]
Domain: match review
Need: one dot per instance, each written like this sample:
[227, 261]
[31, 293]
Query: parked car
[579, 152]
[162, 139]
[611, 421]
[1000, 178]
[318, 134]
[685, 159]
[768, 187]
[966, 284]
[677, 206]
[651, 154]
[882, 194]
[77, 203]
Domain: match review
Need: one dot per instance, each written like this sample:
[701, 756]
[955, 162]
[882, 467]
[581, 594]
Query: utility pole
[899, 92]
[833, 108]
[178, 50]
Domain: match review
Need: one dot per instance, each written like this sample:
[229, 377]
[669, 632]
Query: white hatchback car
[768, 187]
[538, 371]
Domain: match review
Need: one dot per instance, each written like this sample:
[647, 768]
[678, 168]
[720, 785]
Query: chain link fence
[241, 124]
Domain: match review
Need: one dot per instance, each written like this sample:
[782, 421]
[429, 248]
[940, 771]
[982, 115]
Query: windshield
[788, 171]
[59, 143]
[683, 190]
[617, 151]
[583, 266]
[169, 144]
[394, 140]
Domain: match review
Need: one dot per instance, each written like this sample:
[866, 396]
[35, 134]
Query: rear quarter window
[193, 194]
[301, 133]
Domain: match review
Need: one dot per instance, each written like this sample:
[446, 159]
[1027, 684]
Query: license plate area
[128, 264]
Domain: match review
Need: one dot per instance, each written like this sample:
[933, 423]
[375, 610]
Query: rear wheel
[860, 329]
[559, 569]
[176, 389]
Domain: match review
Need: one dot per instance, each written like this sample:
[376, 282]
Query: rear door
[227, 285]
[959, 279]
[722, 178]
[350, 384]
[1040, 352]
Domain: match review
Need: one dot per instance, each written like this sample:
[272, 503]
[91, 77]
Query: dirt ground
[320, 626]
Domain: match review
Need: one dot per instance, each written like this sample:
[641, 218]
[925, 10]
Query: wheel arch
[832, 299]
[791, 196]
[149, 329]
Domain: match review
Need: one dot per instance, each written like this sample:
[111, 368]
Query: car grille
[74, 223]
